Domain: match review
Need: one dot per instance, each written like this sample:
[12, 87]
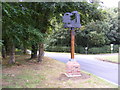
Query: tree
[88, 12]
[28, 24]
[93, 35]
[17, 31]
[113, 33]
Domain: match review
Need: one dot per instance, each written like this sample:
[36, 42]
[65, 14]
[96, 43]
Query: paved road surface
[106, 70]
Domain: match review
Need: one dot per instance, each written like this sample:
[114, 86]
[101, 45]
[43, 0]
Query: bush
[97, 50]
[18, 51]
[104, 49]
[80, 49]
[116, 48]
[58, 49]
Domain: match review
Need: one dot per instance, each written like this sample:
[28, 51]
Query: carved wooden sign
[71, 20]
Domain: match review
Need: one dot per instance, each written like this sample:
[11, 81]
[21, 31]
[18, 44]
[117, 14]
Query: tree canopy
[94, 33]
[28, 25]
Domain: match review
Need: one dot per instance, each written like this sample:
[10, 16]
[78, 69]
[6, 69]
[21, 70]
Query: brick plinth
[72, 69]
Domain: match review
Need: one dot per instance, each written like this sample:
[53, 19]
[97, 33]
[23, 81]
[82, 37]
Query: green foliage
[80, 49]
[91, 38]
[29, 16]
[18, 23]
[104, 49]
[112, 31]
[1, 43]
[24, 24]
[93, 33]
[96, 39]
[87, 11]
[58, 49]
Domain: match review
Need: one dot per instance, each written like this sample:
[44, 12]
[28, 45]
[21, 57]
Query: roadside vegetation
[81, 50]
[94, 37]
[109, 58]
[38, 27]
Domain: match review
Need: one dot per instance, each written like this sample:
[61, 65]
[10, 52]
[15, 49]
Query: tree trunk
[7, 50]
[24, 50]
[34, 51]
[41, 52]
[3, 52]
[12, 55]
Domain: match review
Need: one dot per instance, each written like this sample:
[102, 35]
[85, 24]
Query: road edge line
[107, 80]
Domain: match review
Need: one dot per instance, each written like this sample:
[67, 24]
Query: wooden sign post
[72, 33]
[72, 20]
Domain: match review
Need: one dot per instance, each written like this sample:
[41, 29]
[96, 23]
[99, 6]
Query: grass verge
[47, 74]
[112, 58]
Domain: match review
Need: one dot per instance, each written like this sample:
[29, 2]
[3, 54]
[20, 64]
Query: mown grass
[112, 58]
[25, 79]
[31, 74]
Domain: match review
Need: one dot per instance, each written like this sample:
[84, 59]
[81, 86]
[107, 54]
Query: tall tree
[17, 31]
[28, 24]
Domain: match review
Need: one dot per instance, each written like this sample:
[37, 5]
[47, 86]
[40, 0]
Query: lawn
[47, 74]
[109, 58]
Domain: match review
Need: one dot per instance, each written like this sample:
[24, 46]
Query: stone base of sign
[72, 75]
[72, 69]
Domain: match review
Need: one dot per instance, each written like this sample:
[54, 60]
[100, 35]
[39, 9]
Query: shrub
[80, 49]
[58, 49]
[104, 49]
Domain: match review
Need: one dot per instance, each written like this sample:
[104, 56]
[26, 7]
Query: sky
[106, 3]
[110, 3]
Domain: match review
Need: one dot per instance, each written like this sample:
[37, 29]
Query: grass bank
[109, 58]
[47, 74]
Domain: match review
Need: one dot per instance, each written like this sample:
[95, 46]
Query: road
[105, 70]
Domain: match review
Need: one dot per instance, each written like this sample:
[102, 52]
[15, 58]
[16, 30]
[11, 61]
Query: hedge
[104, 49]
[80, 49]
[58, 49]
